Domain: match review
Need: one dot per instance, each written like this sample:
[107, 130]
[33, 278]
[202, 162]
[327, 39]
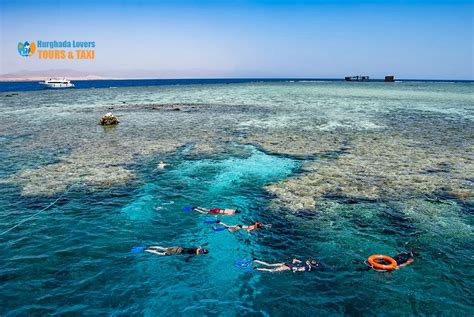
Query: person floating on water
[404, 258]
[159, 250]
[235, 228]
[162, 165]
[295, 266]
[216, 211]
[384, 263]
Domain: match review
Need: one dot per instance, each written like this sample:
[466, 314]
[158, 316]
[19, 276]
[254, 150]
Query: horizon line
[231, 78]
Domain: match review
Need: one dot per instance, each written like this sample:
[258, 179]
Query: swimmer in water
[403, 259]
[158, 250]
[162, 165]
[217, 211]
[236, 228]
[295, 266]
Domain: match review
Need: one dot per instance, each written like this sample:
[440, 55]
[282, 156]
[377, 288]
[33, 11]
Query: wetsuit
[180, 250]
[299, 267]
[403, 257]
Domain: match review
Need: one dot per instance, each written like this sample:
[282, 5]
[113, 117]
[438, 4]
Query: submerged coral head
[108, 119]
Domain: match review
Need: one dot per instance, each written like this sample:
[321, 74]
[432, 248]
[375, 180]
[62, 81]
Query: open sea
[341, 170]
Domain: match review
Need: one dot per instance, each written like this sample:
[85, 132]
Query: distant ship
[57, 83]
[356, 78]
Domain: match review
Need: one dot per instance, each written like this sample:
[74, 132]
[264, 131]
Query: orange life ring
[379, 266]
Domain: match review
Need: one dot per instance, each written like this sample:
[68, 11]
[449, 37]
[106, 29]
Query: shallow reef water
[340, 170]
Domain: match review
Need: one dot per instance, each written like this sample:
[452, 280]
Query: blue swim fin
[188, 209]
[137, 249]
[219, 229]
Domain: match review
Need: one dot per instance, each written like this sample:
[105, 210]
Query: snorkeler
[404, 258]
[158, 250]
[217, 211]
[162, 165]
[383, 263]
[236, 228]
[295, 266]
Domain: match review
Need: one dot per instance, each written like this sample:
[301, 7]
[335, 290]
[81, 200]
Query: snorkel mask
[202, 251]
[312, 262]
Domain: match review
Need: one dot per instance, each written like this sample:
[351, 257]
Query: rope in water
[45, 208]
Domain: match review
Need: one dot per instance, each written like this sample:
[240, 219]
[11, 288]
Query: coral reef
[356, 143]
[374, 169]
[108, 119]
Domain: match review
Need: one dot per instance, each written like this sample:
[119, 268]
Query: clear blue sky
[410, 39]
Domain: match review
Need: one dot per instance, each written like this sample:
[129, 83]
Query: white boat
[57, 83]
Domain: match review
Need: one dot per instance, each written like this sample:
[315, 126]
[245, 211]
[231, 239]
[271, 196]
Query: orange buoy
[374, 262]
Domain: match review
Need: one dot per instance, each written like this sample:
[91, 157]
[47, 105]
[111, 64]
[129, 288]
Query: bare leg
[155, 252]
[233, 229]
[202, 210]
[156, 247]
[268, 264]
[277, 269]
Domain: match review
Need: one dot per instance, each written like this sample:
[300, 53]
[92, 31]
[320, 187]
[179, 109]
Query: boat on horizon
[57, 83]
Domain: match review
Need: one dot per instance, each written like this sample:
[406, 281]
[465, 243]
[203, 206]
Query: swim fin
[188, 209]
[219, 229]
[137, 249]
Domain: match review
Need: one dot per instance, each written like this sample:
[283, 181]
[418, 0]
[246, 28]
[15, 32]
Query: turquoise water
[75, 257]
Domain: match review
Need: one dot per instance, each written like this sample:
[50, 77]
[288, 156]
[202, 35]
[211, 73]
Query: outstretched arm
[296, 261]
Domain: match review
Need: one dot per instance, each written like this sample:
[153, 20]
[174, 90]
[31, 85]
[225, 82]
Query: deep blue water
[85, 84]
[75, 258]
[93, 256]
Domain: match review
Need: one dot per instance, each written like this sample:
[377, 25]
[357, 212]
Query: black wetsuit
[180, 250]
[403, 257]
[299, 266]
